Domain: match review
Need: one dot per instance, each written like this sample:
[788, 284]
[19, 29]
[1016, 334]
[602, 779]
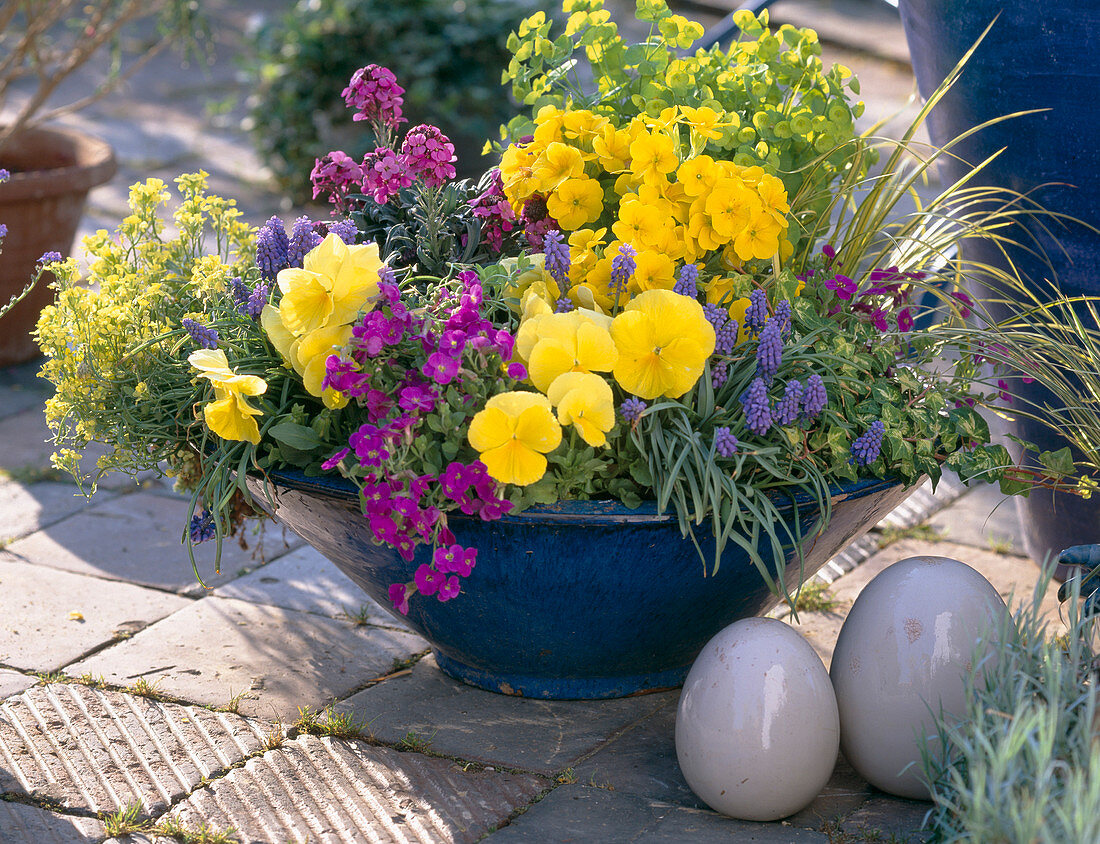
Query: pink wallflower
[384, 174]
[336, 175]
[373, 91]
[428, 155]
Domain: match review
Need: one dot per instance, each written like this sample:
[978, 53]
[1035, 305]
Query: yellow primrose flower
[576, 202]
[569, 342]
[582, 127]
[653, 271]
[511, 435]
[230, 416]
[730, 206]
[584, 401]
[583, 245]
[653, 156]
[698, 175]
[664, 340]
[612, 148]
[335, 283]
[640, 223]
[557, 163]
[759, 238]
[549, 121]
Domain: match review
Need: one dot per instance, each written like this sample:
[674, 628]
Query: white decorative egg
[757, 729]
[903, 652]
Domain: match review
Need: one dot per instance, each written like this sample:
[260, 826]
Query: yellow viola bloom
[307, 300]
[576, 202]
[653, 156]
[731, 205]
[230, 416]
[314, 350]
[569, 342]
[511, 435]
[582, 127]
[583, 246]
[640, 223]
[557, 163]
[584, 401]
[664, 340]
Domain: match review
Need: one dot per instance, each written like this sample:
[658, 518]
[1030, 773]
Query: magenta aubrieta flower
[441, 368]
[427, 579]
[399, 596]
[416, 397]
[449, 589]
[517, 371]
[334, 461]
[456, 559]
[375, 95]
[905, 320]
[866, 448]
[428, 155]
[843, 286]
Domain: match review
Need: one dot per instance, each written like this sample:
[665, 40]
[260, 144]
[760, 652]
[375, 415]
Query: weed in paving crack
[924, 533]
[200, 834]
[329, 723]
[143, 688]
[126, 821]
[815, 596]
[360, 618]
[415, 742]
[566, 777]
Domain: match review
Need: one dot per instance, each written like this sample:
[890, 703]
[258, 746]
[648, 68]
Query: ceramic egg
[909, 639]
[757, 729]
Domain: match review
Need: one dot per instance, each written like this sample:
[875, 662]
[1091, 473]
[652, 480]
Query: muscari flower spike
[866, 448]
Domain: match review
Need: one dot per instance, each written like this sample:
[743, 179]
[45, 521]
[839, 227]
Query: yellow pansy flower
[582, 127]
[575, 203]
[664, 340]
[584, 401]
[314, 350]
[230, 416]
[569, 342]
[511, 435]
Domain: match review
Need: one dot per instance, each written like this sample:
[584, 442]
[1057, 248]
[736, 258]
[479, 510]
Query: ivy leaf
[298, 437]
[1058, 462]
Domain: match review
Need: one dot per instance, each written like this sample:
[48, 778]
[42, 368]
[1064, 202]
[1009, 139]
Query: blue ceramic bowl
[581, 599]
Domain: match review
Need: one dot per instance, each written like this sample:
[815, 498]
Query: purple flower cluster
[725, 329]
[375, 95]
[687, 282]
[757, 312]
[563, 305]
[814, 396]
[4, 174]
[202, 527]
[384, 174]
[769, 352]
[623, 267]
[783, 316]
[428, 155]
[336, 176]
[631, 409]
[886, 290]
[866, 448]
[719, 374]
[725, 443]
[403, 510]
[346, 230]
[205, 338]
[303, 239]
[789, 407]
[272, 246]
[758, 413]
[558, 261]
[536, 221]
[495, 212]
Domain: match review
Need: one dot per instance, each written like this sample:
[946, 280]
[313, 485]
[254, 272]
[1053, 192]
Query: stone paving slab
[328, 790]
[136, 538]
[889, 817]
[99, 751]
[38, 631]
[983, 518]
[22, 824]
[21, 388]
[304, 580]
[218, 648]
[14, 682]
[578, 813]
[458, 720]
[27, 508]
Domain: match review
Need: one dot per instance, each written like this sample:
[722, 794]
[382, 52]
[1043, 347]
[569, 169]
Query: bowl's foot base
[562, 688]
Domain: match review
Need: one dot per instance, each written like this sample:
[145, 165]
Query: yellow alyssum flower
[664, 340]
[584, 401]
[511, 435]
[569, 342]
[576, 202]
[230, 416]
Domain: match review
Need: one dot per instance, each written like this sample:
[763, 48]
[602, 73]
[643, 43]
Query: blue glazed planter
[582, 599]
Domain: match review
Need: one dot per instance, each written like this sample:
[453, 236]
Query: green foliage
[1022, 763]
[448, 57]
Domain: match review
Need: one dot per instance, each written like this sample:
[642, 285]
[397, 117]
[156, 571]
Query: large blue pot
[1036, 56]
[576, 600]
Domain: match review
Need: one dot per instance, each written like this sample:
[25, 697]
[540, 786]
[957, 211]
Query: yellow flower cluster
[319, 304]
[658, 346]
[651, 185]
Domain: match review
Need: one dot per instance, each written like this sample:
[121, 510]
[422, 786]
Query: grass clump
[815, 596]
[1022, 764]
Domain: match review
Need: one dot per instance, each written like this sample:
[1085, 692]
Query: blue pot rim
[592, 511]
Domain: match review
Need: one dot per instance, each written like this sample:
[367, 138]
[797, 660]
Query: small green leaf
[1058, 462]
[298, 437]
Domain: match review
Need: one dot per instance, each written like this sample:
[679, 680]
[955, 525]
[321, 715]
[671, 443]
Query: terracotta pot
[52, 171]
